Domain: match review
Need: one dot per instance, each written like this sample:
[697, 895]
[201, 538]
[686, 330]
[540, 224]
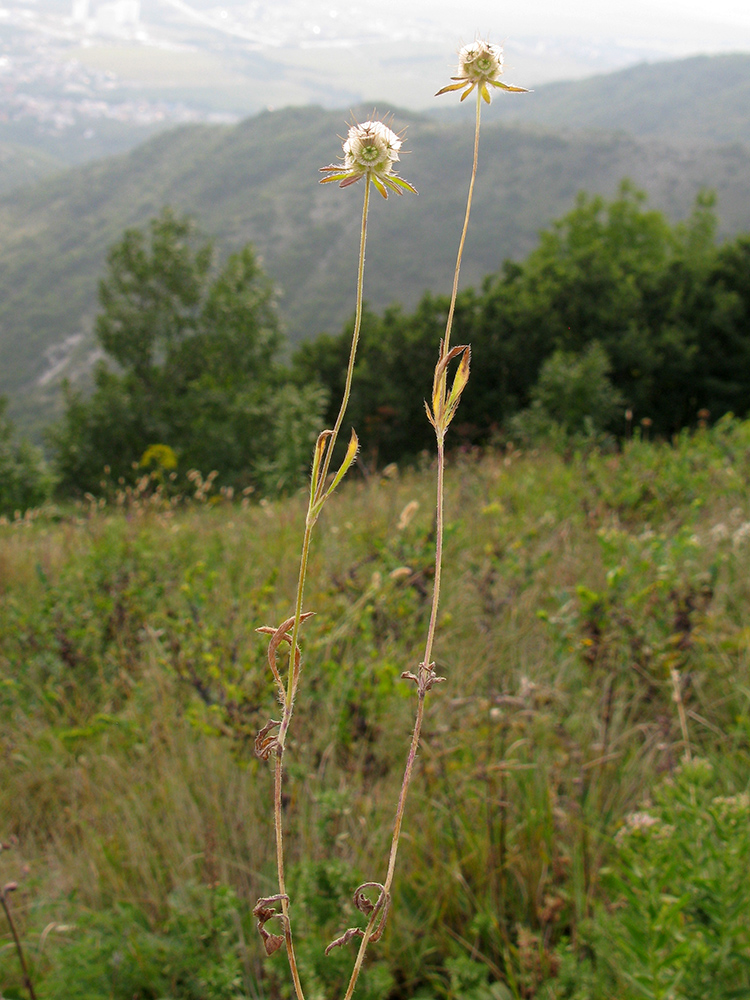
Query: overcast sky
[554, 39]
[682, 18]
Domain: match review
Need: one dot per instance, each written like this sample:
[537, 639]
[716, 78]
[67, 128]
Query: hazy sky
[548, 40]
[695, 25]
[610, 15]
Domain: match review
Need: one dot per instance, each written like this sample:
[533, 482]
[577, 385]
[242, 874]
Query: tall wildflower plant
[370, 152]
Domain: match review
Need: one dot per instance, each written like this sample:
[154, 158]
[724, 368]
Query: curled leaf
[265, 912]
[363, 903]
[278, 635]
[345, 938]
[377, 910]
[266, 744]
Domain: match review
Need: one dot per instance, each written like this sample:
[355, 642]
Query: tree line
[615, 306]
[617, 317]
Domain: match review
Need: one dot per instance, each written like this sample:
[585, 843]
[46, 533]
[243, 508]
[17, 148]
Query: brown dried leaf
[265, 744]
[345, 938]
[271, 942]
[265, 912]
[278, 635]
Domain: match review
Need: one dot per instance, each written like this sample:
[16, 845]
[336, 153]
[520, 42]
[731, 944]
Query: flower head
[370, 150]
[480, 64]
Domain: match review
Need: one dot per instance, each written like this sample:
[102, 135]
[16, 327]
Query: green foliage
[25, 481]
[323, 907]
[297, 419]
[198, 952]
[255, 182]
[195, 373]
[615, 308]
[572, 398]
[675, 927]
[131, 685]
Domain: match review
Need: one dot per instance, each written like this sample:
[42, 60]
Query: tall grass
[131, 801]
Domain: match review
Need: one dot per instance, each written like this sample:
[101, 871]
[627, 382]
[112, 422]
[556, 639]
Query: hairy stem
[462, 241]
[355, 338]
[426, 665]
[316, 492]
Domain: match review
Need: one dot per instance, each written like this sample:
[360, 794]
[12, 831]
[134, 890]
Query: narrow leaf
[510, 87]
[351, 454]
[320, 450]
[395, 183]
[452, 86]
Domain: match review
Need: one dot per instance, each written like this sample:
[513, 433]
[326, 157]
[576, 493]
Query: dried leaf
[265, 912]
[265, 744]
[345, 938]
[278, 635]
[365, 905]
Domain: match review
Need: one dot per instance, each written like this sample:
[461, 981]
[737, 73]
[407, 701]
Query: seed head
[480, 64]
[370, 150]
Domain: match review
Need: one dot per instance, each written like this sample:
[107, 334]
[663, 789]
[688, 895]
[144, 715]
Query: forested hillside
[704, 99]
[257, 182]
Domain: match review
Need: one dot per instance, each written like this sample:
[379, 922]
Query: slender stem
[459, 257]
[21, 958]
[439, 505]
[677, 688]
[426, 665]
[355, 338]
[293, 679]
[417, 732]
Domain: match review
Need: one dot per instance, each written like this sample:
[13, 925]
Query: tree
[573, 398]
[668, 308]
[194, 361]
[24, 479]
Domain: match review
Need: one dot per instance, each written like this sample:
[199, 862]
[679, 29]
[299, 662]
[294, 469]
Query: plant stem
[677, 688]
[355, 338]
[454, 293]
[316, 492]
[21, 958]
[426, 665]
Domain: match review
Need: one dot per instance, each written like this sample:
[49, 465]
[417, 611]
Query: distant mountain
[24, 165]
[702, 99]
[258, 181]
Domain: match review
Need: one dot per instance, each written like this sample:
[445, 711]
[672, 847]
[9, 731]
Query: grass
[131, 688]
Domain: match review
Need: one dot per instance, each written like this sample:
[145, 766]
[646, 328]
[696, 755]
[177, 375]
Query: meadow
[577, 826]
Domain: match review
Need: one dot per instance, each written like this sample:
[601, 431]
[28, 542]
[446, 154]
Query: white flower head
[481, 61]
[371, 146]
[480, 64]
[370, 150]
